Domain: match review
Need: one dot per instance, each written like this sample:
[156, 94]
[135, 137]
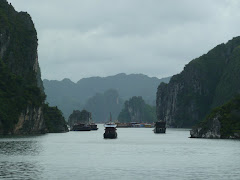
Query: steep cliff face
[206, 82]
[30, 121]
[21, 88]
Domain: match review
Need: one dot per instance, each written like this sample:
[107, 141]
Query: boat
[93, 126]
[110, 130]
[160, 127]
[123, 125]
[136, 124]
[81, 127]
[148, 125]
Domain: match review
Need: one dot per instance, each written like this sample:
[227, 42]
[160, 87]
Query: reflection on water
[19, 148]
[20, 170]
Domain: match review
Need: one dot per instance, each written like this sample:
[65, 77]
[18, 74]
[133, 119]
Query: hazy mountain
[136, 110]
[69, 96]
[102, 104]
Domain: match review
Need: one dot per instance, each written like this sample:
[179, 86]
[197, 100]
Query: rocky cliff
[206, 82]
[21, 89]
[136, 110]
[222, 122]
[55, 122]
[79, 117]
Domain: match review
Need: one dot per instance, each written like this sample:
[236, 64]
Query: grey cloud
[82, 38]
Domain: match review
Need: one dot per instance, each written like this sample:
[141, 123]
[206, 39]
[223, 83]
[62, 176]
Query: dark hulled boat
[93, 126]
[110, 129]
[81, 127]
[160, 127]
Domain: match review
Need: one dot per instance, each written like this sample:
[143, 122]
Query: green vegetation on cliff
[136, 110]
[21, 89]
[55, 122]
[19, 86]
[205, 83]
[229, 117]
[16, 95]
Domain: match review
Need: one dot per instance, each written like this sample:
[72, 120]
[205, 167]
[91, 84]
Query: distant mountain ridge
[69, 96]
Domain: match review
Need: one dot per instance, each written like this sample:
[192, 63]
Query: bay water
[137, 153]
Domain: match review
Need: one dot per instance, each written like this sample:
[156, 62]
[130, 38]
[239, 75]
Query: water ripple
[20, 170]
[12, 148]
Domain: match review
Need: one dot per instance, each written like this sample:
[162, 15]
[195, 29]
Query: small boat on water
[93, 126]
[81, 127]
[148, 125]
[160, 127]
[123, 125]
[110, 130]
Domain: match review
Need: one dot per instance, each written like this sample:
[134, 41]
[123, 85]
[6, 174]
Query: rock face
[212, 130]
[222, 122]
[79, 117]
[206, 82]
[136, 110]
[21, 88]
[30, 121]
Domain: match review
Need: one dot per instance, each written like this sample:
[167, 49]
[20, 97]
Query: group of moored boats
[111, 130]
[134, 125]
[84, 127]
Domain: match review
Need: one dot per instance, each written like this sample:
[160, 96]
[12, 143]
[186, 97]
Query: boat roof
[110, 125]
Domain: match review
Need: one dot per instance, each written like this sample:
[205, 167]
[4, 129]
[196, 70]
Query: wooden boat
[81, 127]
[160, 127]
[110, 130]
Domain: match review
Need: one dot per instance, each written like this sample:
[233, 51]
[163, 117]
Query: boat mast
[110, 117]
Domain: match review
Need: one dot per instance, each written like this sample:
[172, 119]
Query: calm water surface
[137, 154]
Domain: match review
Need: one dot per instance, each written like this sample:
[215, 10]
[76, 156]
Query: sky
[84, 38]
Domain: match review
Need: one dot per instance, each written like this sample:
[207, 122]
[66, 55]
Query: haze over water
[138, 153]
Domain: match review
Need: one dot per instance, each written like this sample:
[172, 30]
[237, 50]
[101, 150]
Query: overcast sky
[84, 38]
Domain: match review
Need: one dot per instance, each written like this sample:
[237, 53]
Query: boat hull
[110, 135]
[81, 127]
[93, 127]
[160, 127]
[159, 130]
